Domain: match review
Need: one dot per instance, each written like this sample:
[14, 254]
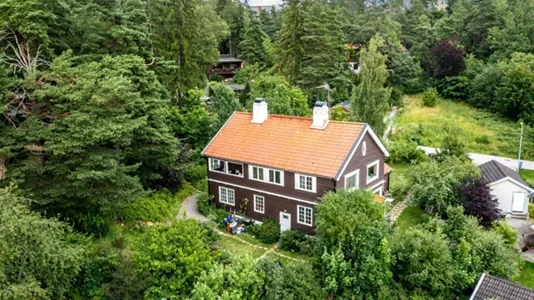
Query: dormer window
[217, 165]
[226, 167]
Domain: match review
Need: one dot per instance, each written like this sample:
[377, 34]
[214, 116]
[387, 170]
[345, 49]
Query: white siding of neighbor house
[504, 192]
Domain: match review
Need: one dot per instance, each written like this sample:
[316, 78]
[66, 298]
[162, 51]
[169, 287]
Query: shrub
[456, 87]
[405, 150]
[479, 202]
[430, 97]
[292, 240]
[209, 210]
[268, 232]
[483, 139]
[154, 207]
[508, 233]
[196, 172]
[531, 210]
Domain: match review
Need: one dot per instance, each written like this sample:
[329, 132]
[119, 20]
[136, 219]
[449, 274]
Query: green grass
[295, 255]
[249, 238]
[411, 216]
[482, 132]
[526, 277]
[528, 176]
[237, 247]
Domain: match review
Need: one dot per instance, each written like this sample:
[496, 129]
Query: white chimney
[259, 111]
[320, 115]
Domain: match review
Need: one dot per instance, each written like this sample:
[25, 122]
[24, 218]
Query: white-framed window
[305, 215]
[379, 191]
[258, 173]
[226, 167]
[259, 204]
[275, 176]
[352, 180]
[217, 165]
[364, 148]
[373, 171]
[266, 175]
[226, 196]
[305, 183]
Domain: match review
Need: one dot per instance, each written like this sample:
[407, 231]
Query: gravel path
[190, 210]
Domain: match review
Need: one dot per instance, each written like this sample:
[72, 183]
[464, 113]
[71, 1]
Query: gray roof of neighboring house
[489, 287]
[345, 104]
[494, 171]
[264, 3]
[228, 59]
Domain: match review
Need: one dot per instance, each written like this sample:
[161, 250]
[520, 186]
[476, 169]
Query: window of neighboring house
[275, 177]
[305, 215]
[372, 171]
[226, 196]
[266, 175]
[259, 204]
[352, 180]
[257, 173]
[305, 183]
[217, 165]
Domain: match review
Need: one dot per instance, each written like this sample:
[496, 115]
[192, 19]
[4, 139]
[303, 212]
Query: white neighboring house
[508, 187]
[259, 5]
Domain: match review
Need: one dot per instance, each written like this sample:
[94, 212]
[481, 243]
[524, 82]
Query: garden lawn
[526, 277]
[237, 247]
[482, 132]
[528, 176]
[410, 217]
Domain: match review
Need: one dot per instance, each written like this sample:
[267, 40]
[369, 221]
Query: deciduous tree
[479, 202]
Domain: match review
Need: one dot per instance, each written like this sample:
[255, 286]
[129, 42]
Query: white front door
[285, 221]
[518, 202]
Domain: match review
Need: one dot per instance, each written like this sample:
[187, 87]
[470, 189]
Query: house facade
[276, 166]
[510, 190]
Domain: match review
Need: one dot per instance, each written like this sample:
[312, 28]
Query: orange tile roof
[286, 142]
[387, 168]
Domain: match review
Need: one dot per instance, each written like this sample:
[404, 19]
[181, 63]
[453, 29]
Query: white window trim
[259, 211]
[377, 163]
[357, 172]
[314, 183]
[379, 191]
[226, 170]
[220, 198]
[265, 175]
[298, 215]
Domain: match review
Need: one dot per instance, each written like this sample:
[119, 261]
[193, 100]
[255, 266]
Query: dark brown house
[282, 164]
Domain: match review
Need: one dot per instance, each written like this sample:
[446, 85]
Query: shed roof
[286, 143]
[490, 287]
[493, 171]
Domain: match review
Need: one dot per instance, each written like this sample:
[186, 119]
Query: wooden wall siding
[359, 161]
[323, 184]
[273, 205]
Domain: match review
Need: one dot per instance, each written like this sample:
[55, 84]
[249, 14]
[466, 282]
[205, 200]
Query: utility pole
[520, 145]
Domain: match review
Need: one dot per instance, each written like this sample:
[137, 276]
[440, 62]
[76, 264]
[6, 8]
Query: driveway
[190, 210]
[479, 159]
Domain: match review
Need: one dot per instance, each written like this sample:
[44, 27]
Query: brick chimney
[321, 115]
[259, 111]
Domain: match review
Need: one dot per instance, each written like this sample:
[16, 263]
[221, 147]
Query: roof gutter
[478, 286]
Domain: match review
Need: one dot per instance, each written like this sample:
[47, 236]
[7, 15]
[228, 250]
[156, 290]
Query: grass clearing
[528, 176]
[237, 247]
[526, 276]
[294, 255]
[482, 132]
[410, 217]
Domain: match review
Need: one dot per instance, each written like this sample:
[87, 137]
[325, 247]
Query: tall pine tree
[289, 42]
[370, 99]
[252, 46]
[324, 60]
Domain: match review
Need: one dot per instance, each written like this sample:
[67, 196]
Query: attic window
[364, 148]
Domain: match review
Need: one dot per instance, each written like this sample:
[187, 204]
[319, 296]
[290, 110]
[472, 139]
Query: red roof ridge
[303, 118]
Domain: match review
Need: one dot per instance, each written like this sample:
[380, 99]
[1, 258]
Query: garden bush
[154, 207]
[456, 87]
[405, 150]
[430, 97]
[292, 240]
[531, 210]
[268, 232]
[508, 233]
[209, 210]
